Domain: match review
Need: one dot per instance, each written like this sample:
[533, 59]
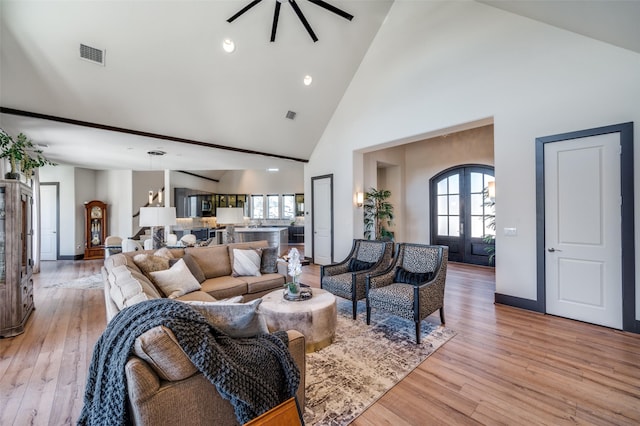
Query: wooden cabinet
[16, 257]
[96, 229]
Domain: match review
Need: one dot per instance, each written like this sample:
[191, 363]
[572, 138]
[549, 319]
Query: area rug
[363, 363]
[83, 283]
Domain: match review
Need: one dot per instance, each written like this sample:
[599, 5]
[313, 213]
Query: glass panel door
[462, 215]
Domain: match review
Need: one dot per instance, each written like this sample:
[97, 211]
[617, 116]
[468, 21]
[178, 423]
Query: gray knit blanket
[254, 374]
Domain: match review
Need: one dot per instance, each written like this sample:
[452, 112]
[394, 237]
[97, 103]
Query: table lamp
[229, 216]
[157, 217]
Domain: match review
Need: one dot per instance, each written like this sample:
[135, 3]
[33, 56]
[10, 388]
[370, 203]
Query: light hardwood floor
[505, 365]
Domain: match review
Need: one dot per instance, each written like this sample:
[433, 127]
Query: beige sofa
[163, 386]
[216, 262]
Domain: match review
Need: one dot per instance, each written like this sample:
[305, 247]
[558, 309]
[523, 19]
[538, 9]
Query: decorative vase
[14, 175]
[293, 288]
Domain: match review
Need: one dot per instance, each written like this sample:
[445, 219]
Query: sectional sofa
[163, 385]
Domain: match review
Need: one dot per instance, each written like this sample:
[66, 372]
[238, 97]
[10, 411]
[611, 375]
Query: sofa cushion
[269, 260]
[224, 287]
[193, 266]
[198, 295]
[246, 262]
[238, 320]
[126, 290]
[175, 281]
[264, 282]
[213, 260]
[159, 347]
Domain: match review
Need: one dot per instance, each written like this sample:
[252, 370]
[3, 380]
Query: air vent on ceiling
[92, 54]
[290, 115]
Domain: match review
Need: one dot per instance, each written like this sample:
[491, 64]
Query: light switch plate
[510, 232]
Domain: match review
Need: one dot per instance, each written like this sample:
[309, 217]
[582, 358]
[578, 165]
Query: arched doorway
[462, 213]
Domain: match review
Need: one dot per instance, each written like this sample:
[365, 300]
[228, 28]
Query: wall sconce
[491, 190]
[359, 199]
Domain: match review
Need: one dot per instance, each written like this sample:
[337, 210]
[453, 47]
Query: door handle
[551, 249]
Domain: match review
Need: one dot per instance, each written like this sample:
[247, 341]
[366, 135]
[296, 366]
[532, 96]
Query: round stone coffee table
[316, 317]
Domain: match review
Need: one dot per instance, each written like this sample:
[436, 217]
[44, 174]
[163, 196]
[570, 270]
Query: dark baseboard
[518, 302]
[73, 257]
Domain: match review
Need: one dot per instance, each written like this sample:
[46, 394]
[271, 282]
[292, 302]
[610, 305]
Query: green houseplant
[22, 155]
[378, 214]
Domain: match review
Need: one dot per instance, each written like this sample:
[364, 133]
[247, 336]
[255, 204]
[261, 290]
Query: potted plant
[21, 153]
[378, 214]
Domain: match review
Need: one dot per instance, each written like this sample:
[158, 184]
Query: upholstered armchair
[347, 278]
[412, 287]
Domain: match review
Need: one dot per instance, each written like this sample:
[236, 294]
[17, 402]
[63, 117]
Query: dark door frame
[629, 322]
[313, 211]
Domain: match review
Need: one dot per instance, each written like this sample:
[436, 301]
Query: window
[257, 207]
[288, 206]
[273, 206]
[482, 212]
[449, 206]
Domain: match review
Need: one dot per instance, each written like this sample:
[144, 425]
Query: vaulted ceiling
[169, 85]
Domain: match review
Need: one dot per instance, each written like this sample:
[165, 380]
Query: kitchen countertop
[262, 229]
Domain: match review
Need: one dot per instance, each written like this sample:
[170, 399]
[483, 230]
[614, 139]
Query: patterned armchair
[413, 285]
[347, 278]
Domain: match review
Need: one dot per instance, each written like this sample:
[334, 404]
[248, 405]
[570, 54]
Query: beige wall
[406, 169]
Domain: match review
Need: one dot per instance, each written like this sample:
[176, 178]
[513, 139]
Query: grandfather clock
[96, 221]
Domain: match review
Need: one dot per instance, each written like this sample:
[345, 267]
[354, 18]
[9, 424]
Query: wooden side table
[316, 317]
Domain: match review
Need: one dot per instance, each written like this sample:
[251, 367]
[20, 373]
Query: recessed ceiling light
[273, 170]
[307, 80]
[228, 45]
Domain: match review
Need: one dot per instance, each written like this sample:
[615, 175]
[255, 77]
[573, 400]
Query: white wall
[436, 65]
[85, 191]
[115, 187]
[288, 180]
[183, 180]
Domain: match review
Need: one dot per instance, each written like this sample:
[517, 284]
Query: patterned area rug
[363, 363]
[83, 283]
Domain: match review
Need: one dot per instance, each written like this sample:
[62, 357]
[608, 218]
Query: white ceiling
[167, 74]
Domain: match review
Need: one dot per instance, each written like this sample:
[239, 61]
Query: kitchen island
[276, 236]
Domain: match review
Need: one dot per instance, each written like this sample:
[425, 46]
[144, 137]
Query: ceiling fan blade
[274, 26]
[295, 7]
[243, 10]
[332, 8]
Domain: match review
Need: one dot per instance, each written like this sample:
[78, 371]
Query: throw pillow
[176, 281]
[269, 262]
[164, 252]
[356, 265]
[193, 266]
[246, 263]
[149, 263]
[407, 277]
[238, 320]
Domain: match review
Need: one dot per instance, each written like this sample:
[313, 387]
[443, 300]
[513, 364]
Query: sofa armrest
[297, 349]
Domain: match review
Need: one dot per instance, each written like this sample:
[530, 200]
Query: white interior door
[322, 224]
[48, 222]
[583, 229]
